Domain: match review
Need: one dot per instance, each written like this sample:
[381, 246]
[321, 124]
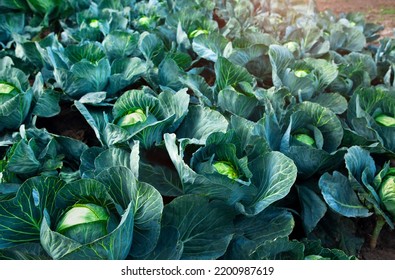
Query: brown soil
[376, 11]
[385, 249]
[69, 123]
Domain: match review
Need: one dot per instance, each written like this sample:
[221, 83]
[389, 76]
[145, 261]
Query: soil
[376, 11]
[385, 249]
[69, 123]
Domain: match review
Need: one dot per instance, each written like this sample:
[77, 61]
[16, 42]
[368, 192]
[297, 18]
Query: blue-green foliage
[211, 130]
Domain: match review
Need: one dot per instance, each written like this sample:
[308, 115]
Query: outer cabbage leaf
[46, 100]
[119, 157]
[12, 27]
[120, 44]
[14, 4]
[237, 103]
[162, 177]
[21, 216]
[313, 207]
[169, 246]
[97, 118]
[340, 196]
[270, 224]
[124, 72]
[205, 227]
[229, 74]
[279, 249]
[38, 55]
[273, 175]
[44, 7]
[209, 47]
[152, 47]
[199, 87]
[200, 122]
[28, 252]
[333, 101]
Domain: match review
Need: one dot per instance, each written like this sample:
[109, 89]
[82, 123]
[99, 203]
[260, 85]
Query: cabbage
[94, 23]
[226, 168]
[132, 118]
[301, 73]
[387, 192]
[84, 222]
[305, 139]
[385, 120]
[7, 91]
[6, 88]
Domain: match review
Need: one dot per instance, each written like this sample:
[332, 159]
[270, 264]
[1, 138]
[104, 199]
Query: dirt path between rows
[377, 11]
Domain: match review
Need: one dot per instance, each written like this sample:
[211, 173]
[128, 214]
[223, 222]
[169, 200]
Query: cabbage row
[218, 130]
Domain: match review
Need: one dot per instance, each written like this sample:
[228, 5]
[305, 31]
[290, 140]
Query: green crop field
[194, 130]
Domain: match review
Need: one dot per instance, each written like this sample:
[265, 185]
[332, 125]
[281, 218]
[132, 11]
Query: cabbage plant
[139, 115]
[370, 117]
[345, 34]
[221, 169]
[16, 96]
[355, 70]
[34, 152]
[80, 69]
[304, 78]
[108, 217]
[12, 29]
[315, 132]
[368, 190]
[93, 24]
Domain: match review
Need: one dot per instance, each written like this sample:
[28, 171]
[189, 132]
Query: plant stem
[380, 222]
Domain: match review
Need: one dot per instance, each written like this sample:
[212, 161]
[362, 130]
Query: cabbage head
[387, 191]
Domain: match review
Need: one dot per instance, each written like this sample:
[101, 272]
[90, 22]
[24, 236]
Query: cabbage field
[194, 129]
